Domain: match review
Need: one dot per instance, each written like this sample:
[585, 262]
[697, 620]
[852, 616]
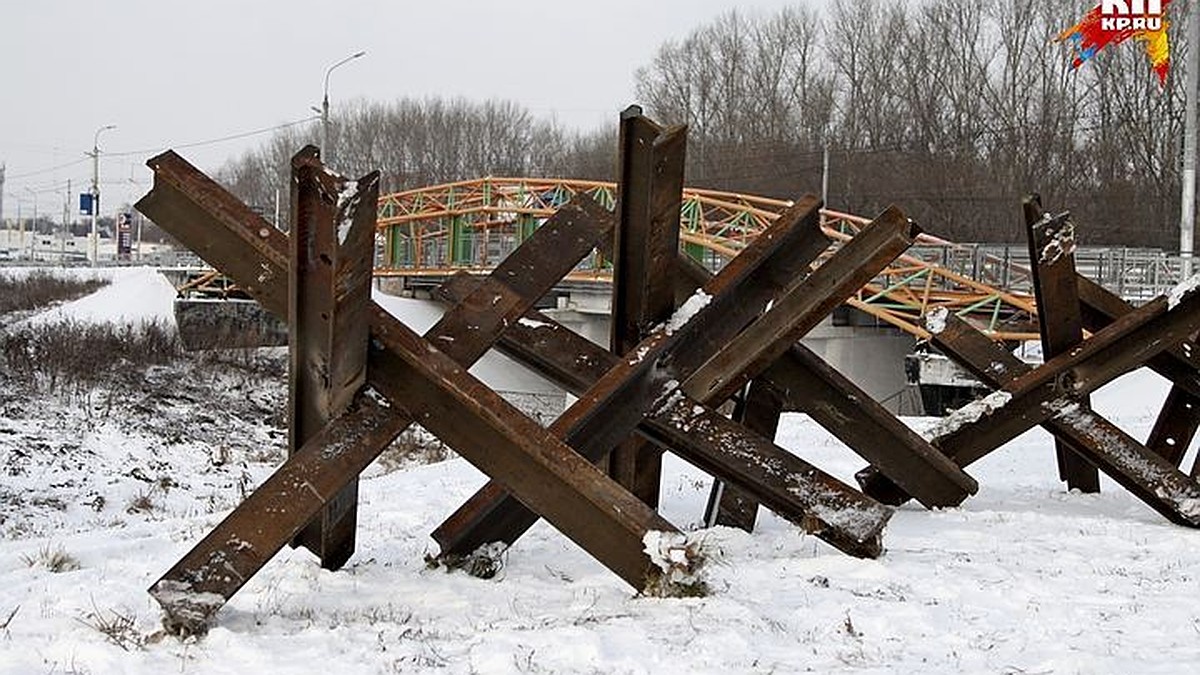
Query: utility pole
[326, 151]
[66, 226]
[2, 168]
[825, 176]
[20, 230]
[1187, 217]
[93, 237]
[140, 219]
[33, 230]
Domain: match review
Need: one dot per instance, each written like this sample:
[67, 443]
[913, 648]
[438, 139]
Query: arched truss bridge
[471, 225]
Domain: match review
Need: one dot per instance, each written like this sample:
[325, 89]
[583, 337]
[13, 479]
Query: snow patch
[639, 355]
[692, 306]
[935, 320]
[679, 560]
[347, 205]
[137, 295]
[1182, 290]
[1062, 243]
[187, 610]
[967, 414]
[671, 396]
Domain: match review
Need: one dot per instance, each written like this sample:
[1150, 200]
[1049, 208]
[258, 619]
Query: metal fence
[1136, 274]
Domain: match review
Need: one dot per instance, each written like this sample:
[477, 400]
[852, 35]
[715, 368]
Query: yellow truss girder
[721, 223]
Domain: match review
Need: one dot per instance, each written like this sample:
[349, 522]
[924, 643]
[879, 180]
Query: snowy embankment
[1023, 578]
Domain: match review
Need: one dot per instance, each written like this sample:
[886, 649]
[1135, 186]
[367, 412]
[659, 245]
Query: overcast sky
[170, 73]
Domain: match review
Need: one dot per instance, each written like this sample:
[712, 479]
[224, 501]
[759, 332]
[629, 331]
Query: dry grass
[119, 629]
[53, 559]
[41, 289]
[484, 562]
[142, 502]
[414, 447]
[61, 356]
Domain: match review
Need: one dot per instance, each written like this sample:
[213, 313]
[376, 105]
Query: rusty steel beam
[649, 198]
[615, 404]
[1051, 242]
[804, 306]
[200, 213]
[758, 409]
[330, 290]
[1101, 307]
[202, 581]
[855, 418]
[1179, 419]
[1175, 426]
[569, 491]
[1047, 395]
[789, 486]
[1144, 473]
[194, 206]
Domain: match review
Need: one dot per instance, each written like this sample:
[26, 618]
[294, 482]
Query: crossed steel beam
[549, 472]
[684, 342]
[1054, 394]
[587, 506]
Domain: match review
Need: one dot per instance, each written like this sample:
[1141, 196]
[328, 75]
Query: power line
[223, 139]
[131, 153]
[48, 170]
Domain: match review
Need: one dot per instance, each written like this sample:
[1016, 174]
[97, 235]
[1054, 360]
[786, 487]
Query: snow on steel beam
[646, 241]
[1179, 419]
[1052, 265]
[856, 419]
[332, 239]
[232, 238]
[646, 382]
[758, 409]
[789, 486]
[1048, 395]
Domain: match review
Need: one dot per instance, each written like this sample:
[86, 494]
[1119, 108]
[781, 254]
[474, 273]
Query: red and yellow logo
[1115, 21]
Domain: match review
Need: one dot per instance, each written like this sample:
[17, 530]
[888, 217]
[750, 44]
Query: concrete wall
[871, 357]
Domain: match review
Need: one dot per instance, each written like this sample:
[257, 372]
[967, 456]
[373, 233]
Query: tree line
[951, 110]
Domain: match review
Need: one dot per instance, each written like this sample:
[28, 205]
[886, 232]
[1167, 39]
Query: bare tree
[950, 109]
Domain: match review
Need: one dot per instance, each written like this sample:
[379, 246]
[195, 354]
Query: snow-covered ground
[1023, 578]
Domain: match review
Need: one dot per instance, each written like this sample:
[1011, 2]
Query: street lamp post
[325, 151]
[93, 237]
